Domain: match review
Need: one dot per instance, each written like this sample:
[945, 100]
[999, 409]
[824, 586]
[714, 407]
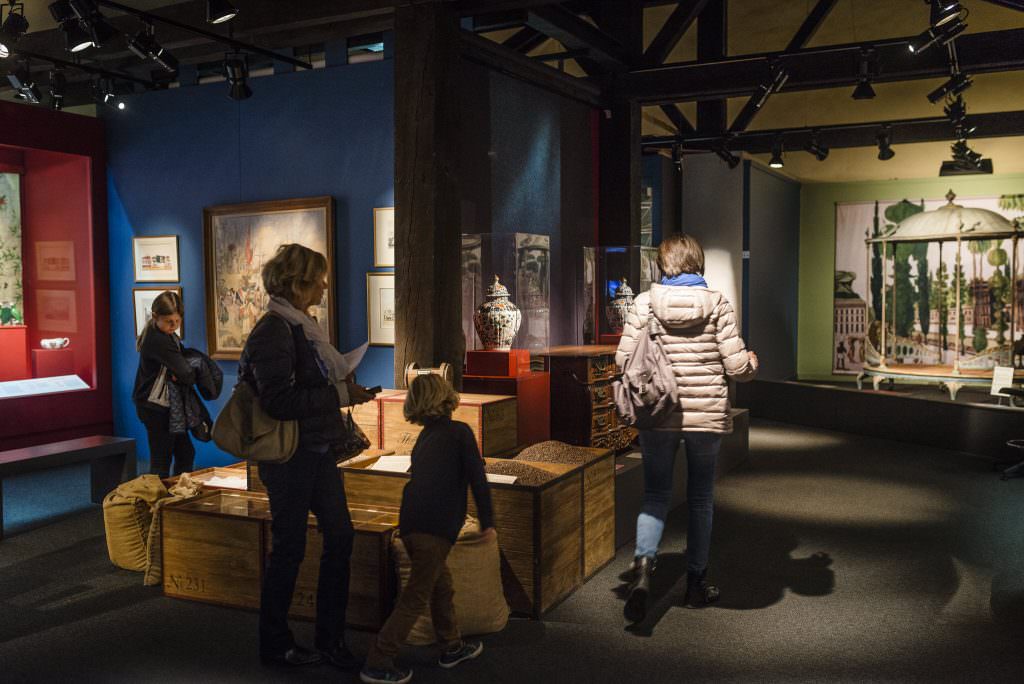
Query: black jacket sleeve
[474, 469]
[162, 348]
[272, 362]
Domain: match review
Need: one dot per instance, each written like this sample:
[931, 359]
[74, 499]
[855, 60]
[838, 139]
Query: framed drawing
[239, 240]
[142, 305]
[55, 260]
[384, 237]
[156, 259]
[56, 311]
[380, 309]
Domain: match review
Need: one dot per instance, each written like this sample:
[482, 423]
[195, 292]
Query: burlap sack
[475, 565]
[184, 488]
[127, 516]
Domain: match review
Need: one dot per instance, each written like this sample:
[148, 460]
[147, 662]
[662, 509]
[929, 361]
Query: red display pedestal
[610, 338]
[49, 363]
[14, 353]
[498, 364]
[531, 390]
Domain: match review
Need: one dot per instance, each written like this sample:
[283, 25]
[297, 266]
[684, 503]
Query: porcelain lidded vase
[620, 305]
[497, 320]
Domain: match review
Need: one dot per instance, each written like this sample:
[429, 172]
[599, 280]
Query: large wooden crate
[492, 418]
[367, 416]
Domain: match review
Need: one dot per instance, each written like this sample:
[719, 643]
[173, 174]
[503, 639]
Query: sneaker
[467, 651]
[396, 675]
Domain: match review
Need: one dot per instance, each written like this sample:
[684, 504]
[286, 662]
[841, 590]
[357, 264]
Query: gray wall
[774, 267]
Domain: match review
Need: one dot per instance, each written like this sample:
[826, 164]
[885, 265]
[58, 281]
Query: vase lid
[624, 290]
[497, 290]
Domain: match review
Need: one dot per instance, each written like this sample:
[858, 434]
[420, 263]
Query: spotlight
[956, 112]
[12, 28]
[941, 35]
[219, 11]
[58, 85]
[103, 90]
[965, 161]
[777, 78]
[237, 71]
[144, 45]
[885, 151]
[21, 80]
[944, 11]
[83, 25]
[816, 148]
[956, 84]
[728, 157]
[776, 161]
[864, 91]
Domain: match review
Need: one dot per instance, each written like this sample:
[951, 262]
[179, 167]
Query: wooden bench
[112, 462]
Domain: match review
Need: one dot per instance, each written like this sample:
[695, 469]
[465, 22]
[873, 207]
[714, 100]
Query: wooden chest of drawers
[582, 407]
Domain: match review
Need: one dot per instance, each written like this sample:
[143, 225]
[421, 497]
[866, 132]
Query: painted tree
[876, 269]
[999, 287]
[938, 299]
[965, 300]
[906, 292]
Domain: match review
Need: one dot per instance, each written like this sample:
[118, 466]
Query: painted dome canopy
[946, 222]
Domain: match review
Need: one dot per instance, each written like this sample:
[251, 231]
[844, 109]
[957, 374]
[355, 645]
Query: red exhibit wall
[64, 198]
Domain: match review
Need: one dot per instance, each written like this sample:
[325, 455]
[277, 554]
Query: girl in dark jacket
[299, 375]
[159, 347]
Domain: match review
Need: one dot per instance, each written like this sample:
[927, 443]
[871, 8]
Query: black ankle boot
[699, 592]
[636, 602]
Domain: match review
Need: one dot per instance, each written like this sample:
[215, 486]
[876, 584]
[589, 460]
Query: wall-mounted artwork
[239, 240]
[10, 240]
[56, 311]
[920, 280]
[142, 305]
[384, 237]
[380, 308]
[156, 259]
[55, 260]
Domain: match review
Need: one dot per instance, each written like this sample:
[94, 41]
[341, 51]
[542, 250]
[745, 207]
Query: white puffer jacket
[704, 346]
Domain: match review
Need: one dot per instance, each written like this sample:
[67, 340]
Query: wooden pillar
[428, 294]
[619, 199]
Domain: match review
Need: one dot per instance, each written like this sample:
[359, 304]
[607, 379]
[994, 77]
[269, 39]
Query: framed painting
[55, 260]
[156, 259]
[142, 305]
[380, 309]
[384, 237]
[239, 240]
[56, 311]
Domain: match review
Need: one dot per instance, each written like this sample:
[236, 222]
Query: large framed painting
[384, 237]
[380, 309]
[142, 304]
[239, 240]
[156, 259]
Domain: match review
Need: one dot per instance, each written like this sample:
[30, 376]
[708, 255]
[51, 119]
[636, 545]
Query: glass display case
[522, 262]
[619, 274]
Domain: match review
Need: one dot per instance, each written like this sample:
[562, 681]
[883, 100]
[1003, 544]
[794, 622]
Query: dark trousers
[164, 446]
[308, 482]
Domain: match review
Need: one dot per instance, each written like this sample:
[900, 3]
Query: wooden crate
[598, 511]
[492, 418]
[256, 484]
[367, 415]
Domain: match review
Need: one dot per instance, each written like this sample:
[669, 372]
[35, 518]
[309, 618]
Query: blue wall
[302, 134]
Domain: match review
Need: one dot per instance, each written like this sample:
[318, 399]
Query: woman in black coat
[298, 375]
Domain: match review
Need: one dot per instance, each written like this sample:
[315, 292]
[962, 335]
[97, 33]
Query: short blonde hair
[680, 254]
[293, 272]
[429, 397]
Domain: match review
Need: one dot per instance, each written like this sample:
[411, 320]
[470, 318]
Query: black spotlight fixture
[776, 161]
[965, 162]
[76, 38]
[219, 11]
[815, 147]
[944, 11]
[728, 157]
[956, 84]
[105, 93]
[23, 83]
[885, 151]
[12, 28]
[956, 112]
[144, 45]
[58, 86]
[237, 72]
[940, 35]
[864, 91]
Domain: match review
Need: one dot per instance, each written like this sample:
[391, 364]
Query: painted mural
[11, 298]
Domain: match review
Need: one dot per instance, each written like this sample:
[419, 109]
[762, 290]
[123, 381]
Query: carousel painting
[928, 291]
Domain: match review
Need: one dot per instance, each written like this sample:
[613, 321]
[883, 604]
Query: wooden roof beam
[676, 26]
[576, 34]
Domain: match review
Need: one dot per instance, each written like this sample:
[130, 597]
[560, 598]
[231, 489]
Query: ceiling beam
[576, 34]
[818, 68]
[675, 27]
[932, 129]
[712, 44]
[679, 120]
[525, 40]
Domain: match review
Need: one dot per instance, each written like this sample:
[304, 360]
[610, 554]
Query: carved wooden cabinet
[582, 407]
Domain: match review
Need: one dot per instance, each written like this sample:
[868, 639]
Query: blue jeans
[659, 448]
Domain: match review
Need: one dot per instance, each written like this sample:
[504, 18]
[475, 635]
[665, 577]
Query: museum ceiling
[564, 36]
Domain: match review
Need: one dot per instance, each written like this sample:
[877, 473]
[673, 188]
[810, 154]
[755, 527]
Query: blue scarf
[689, 279]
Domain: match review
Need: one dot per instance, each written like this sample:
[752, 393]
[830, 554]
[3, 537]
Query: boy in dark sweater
[445, 460]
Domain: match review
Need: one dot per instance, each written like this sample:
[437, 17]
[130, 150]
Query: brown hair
[293, 273]
[680, 254]
[429, 397]
[166, 303]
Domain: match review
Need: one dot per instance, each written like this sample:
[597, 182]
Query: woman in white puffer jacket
[704, 348]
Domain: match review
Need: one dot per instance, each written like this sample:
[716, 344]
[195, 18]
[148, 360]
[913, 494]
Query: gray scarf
[332, 363]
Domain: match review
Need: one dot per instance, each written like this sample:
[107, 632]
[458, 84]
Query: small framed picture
[56, 311]
[55, 260]
[156, 259]
[384, 237]
[380, 309]
[142, 305]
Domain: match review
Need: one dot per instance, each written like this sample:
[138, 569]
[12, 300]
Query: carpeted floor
[839, 558]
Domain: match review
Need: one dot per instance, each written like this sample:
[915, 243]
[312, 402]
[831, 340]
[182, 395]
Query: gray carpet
[839, 558]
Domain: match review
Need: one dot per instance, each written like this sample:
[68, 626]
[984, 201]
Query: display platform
[948, 378]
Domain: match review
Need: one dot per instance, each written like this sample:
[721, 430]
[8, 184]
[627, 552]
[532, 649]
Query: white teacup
[54, 343]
